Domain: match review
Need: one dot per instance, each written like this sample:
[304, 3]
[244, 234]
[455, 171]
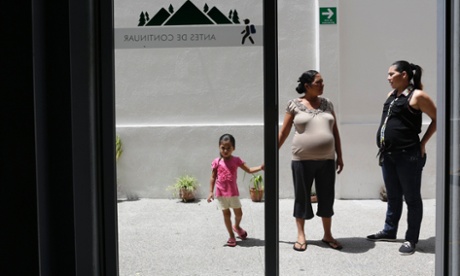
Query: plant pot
[187, 195]
[383, 194]
[313, 199]
[256, 195]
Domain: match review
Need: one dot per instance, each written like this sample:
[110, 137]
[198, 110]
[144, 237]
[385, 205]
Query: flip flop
[333, 244]
[301, 246]
[231, 242]
[242, 234]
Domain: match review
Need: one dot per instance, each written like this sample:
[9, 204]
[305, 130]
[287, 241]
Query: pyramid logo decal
[187, 26]
[188, 14]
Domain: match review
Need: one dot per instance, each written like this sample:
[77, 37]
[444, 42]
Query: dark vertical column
[454, 179]
[85, 98]
[442, 139]
[19, 238]
[107, 116]
[451, 263]
[52, 68]
[57, 170]
[73, 71]
[271, 137]
[447, 259]
[93, 136]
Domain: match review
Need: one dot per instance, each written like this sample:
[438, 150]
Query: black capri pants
[304, 172]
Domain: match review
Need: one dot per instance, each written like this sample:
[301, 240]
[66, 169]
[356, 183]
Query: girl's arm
[338, 144]
[252, 169]
[212, 181]
[285, 129]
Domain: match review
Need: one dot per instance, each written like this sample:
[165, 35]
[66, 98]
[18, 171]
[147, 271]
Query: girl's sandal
[231, 242]
[242, 234]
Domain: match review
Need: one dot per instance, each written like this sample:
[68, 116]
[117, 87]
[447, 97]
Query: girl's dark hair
[306, 78]
[414, 72]
[227, 138]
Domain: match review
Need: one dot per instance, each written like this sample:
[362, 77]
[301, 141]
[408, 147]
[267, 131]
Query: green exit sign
[327, 15]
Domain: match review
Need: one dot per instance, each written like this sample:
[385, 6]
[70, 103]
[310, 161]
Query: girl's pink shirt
[227, 172]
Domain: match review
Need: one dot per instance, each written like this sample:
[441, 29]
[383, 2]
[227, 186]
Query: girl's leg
[242, 234]
[238, 216]
[228, 222]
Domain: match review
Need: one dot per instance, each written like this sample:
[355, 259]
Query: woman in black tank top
[402, 153]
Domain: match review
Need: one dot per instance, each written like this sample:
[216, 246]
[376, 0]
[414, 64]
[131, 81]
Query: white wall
[173, 104]
[374, 34]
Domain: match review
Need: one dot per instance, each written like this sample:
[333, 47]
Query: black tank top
[403, 125]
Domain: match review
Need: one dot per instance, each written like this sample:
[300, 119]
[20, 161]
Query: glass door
[186, 72]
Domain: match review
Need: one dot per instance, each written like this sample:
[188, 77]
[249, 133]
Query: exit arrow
[329, 13]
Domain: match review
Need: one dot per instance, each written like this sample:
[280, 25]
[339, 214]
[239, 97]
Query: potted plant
[118, 153]
[383, 194]
[257, 189]
[313, 198]
[185, 187]
[118, 147]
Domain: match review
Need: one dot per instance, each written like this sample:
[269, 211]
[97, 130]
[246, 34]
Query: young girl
[224, 175]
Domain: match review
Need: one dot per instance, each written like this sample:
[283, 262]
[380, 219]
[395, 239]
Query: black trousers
[322, 172]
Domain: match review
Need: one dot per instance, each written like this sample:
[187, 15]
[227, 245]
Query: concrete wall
[172, 104]
[373, 35]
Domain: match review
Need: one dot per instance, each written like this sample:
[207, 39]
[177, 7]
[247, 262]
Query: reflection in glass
[454, 219]
[186, 72]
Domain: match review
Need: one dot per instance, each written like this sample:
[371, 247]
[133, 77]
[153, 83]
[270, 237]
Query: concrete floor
[167, 237]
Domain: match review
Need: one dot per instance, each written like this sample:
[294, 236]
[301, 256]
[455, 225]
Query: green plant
[256, 191]
[118, 153]
[118, 147]
[184, 187]
[257, 182]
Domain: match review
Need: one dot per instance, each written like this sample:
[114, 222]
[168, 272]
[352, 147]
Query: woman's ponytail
[417, 76]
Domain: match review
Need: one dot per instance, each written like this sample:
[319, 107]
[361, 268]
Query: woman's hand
[339, 164]
[422, 150]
